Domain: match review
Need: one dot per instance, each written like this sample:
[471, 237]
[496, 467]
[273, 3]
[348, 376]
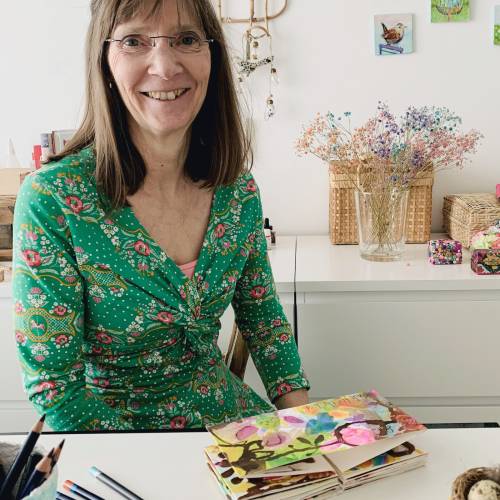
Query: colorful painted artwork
[496, 26]
[393, 34]
[350, 430]
[446, 11]
[316, 474]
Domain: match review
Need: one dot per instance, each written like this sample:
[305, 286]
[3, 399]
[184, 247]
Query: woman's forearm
[294, 398]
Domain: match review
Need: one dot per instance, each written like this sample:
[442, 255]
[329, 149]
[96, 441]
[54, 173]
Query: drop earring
[110, 84]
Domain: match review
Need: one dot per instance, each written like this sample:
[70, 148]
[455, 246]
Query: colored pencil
[61, 496]
[113, 484]
[33, 459]
[57, 453]
[21, 459]
[39, 475]
[80, 491]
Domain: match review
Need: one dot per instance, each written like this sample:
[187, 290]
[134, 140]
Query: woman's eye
[189, 39]
[131, 41]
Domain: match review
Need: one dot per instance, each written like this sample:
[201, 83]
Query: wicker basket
[343, 224]
[465, 214]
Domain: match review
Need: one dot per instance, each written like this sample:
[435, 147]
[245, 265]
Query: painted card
[447, 11]
[350, 429]
[239, 488]
[393, 34]
[496, 26]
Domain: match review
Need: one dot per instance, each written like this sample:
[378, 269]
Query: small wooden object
[7, 203]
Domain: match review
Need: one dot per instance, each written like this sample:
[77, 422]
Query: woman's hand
[294, 398]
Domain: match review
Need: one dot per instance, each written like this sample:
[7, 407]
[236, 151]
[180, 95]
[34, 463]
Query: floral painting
[445, 11]
[281, 437]
[393, 34]
[496, 26]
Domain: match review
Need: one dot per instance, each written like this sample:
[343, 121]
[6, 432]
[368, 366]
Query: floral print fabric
[112, 335]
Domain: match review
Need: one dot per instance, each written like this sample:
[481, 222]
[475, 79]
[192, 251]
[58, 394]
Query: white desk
[425, 336]
[171, 466]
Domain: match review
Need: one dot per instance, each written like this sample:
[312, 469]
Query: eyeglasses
[186, 42]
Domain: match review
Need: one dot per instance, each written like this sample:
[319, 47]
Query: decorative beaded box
[485, 247]
[445, 252]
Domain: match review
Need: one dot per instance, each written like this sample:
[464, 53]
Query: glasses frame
[170, 38]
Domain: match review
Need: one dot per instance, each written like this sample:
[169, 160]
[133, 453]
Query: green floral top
[112, 335]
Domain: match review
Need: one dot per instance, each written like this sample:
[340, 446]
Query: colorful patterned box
[486, 261]
[445, 252]
[485, 247]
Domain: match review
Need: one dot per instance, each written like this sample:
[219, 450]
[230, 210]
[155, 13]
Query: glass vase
[381, 217]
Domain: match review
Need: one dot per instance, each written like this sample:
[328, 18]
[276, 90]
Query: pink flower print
[357, 435]
[245, 432]
[275, 439]
[284, 338]
[97, 300]
[165, 317]
[18, 307]
[35, 290]
[32, 258]
[197, 312]
[101, 382]
[203, 389]
[97, 349]
[39, 358]
[51, 395]
[142, 267]
[60, 220]
[182, 293]
[226, 244]
[283, 388]
[232, 279]
[219, 230]
[251, 186]
[135, 334]
[142, 248]
[171, 342]
[30, 235]
[60, 310]
[45, 386]
[61, 339]
[70, 279]
[104, 338]
[20, 338]
[257, 292]
[104, 267]
[79, 250]
[74, 203]
[277, 322]
[251, 237]
[186, 357]
[109, 222]
[178, 422]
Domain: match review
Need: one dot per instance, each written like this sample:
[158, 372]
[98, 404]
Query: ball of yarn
[484, 490]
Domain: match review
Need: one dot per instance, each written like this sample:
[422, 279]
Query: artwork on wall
[444, 11]
[496, 26]
[393, 34]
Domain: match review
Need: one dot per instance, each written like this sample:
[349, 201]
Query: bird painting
[450, 10]
[393, 35]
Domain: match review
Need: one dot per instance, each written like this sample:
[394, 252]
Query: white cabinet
[426, 337]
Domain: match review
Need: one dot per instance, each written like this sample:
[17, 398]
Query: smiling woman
[133, 241]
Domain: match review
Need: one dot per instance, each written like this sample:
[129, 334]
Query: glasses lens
[188, 41]
[136, 44]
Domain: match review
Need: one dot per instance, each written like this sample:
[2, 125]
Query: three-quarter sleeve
[49, 312]
[261, 319]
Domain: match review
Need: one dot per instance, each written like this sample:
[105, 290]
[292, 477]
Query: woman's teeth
[166, 96]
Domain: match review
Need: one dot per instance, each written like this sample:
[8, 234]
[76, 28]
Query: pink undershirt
[188, 268]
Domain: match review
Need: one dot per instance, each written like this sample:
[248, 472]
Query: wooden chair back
[237, 353]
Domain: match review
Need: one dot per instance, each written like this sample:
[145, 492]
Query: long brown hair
[219, 150]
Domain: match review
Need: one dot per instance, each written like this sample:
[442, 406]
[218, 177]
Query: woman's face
[147, 79]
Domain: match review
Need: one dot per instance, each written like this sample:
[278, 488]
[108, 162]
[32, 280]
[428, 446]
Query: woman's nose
[164, 61]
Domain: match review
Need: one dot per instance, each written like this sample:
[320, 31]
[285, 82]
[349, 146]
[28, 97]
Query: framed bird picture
[496, 26]
[446, 11]
[393, 34]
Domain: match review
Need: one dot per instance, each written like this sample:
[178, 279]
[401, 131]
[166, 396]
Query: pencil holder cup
[47, 490]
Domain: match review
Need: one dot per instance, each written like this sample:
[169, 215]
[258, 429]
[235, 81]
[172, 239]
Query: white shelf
[323, 267]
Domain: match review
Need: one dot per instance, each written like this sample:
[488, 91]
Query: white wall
[325, 57]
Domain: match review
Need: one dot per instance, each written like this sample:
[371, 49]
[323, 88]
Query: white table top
[158, 466]
[323, 267]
